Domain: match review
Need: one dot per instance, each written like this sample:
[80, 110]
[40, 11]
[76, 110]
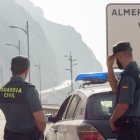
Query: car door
[52, 128]
[67, 127]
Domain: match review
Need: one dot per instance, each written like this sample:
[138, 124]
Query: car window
[59, 115]
[79, 111]
[100, 106]
[72, 107]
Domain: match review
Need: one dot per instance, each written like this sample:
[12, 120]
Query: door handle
[55, 130]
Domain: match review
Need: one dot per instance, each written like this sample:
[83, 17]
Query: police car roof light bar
[98, 76]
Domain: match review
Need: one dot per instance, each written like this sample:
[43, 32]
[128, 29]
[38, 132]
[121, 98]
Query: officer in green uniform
[19, 101]
[125, 120]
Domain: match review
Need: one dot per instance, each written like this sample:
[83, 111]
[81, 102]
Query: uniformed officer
[19, 101]
[125, 119]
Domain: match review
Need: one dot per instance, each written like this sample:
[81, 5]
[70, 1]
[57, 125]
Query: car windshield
[100, 106]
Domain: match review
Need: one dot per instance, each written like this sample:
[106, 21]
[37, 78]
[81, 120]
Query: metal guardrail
[51, 108]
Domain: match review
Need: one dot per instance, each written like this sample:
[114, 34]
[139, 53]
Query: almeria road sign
[123, 24]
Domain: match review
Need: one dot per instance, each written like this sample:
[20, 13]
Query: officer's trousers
[128, 133]
[34, 135]
[128, 128]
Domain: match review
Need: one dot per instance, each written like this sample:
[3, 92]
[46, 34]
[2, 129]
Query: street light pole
[16, 46]
[71, 71]
[19, 46]
[26, 31]
[39, 68]
[1, 76]
[71, 68]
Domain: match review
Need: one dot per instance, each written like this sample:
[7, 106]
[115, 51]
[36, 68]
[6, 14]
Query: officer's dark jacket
[18, 100]
[14, 92]
[130, 77]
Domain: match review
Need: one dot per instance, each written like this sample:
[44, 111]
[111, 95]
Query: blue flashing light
[99, 76]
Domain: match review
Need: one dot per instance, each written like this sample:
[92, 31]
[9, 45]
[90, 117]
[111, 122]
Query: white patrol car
[85, 113]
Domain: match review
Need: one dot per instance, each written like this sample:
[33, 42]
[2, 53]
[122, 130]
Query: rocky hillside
[49, 42]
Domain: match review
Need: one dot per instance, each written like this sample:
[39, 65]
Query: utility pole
[71, 60]
[40, 81]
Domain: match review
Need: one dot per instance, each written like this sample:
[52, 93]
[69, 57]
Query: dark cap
[19, 64]
[123, 46]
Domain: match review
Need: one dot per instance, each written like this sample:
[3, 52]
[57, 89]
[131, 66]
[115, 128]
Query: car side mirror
[49, 118]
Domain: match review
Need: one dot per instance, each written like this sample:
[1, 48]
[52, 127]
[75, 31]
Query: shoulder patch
[124, 87]
[124, 90]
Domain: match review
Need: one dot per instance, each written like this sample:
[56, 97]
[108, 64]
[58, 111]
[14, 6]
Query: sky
[88, 17]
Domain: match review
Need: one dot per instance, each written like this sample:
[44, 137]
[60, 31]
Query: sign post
[123, 24]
